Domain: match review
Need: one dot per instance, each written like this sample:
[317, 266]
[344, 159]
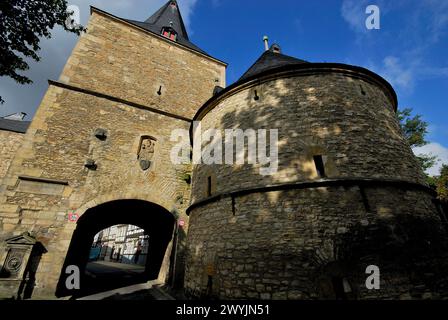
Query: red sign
[73, 216]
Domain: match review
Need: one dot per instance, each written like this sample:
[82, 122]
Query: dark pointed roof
[269, 60]
[272, 63]
[168, 16]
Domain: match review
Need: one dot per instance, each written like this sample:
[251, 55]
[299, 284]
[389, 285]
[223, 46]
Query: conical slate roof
[168, 16]
[270, 59]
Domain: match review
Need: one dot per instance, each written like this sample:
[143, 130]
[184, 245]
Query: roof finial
[266, 43]
[275, 48]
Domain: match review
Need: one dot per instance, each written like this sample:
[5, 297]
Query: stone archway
[157, 222]
[152, 196]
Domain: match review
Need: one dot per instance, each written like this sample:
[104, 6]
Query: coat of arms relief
[146, 152]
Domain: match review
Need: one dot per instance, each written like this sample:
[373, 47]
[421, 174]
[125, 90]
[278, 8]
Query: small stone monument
[18, 266]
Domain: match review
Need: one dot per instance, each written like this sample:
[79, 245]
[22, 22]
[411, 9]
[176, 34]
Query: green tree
[415, 129]
[22, 24]
[442, 184]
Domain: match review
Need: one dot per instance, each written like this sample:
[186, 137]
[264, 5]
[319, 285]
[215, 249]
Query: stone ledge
[115, 99]
[44, 180]
[337, 182]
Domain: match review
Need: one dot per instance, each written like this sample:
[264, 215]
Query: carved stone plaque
[146, 153]
[14, 262]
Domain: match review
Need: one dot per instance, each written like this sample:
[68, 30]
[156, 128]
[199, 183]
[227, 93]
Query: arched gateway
[158, 223]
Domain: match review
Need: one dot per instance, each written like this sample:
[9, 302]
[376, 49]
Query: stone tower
[97, 152]
[348, 193]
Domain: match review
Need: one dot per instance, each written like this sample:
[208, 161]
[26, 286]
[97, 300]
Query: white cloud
[186, 7]
[133, 9]
[435, 149]
[353, 11]
[430, 72]
[405, 72]
[425, 24]
[111, 4]
[439, 18]
[396, 73]
[434, 11]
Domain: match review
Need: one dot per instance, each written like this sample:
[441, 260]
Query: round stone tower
[347, 192]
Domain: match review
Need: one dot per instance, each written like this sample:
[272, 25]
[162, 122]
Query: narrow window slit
[362, 90]
[320, 168]
[364, 198]
[209, 186]
[256, 97]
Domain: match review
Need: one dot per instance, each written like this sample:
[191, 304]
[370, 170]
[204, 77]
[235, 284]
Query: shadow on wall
[356, 143]
[404, 246]
[4, 273]
[27, 286]
[178, 259]
[308, 124]
[16, 283]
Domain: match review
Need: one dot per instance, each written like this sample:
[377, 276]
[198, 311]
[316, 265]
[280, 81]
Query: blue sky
[410, 50]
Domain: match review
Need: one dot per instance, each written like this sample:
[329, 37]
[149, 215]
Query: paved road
[105, 275]
[150, 290]
[107, 268]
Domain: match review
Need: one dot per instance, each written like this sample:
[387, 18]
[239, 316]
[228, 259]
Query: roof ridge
[270, 60]
[14, 125]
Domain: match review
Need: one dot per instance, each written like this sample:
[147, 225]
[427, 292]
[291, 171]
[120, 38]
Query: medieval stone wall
[9, 143]
[48, 178]
[314, 114]
[290, 244]
[120, 60]
[61, 139]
